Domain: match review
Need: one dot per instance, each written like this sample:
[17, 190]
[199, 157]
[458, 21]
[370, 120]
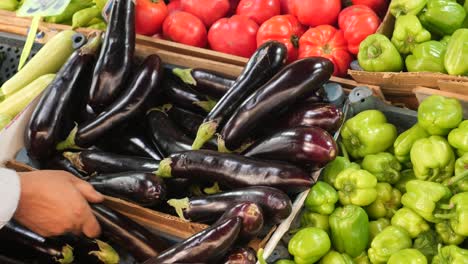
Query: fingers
[87, 190]
[90, 226]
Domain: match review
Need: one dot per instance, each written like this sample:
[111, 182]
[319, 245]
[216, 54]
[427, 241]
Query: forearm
[9, 194]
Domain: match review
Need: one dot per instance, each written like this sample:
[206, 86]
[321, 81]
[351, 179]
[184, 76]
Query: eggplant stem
[205, 132]
[185, 75]
[206, 105]
[74, 158]
[179, 205]
[445, 216]
[106, 253]
[213, 189]
[164, 109]
[195, 190]
[69, 142]
[165, 169]
[93, 44]
[222, 145]
[67, 254]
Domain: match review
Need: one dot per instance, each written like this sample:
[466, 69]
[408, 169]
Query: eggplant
[126, 233]
[206, 82]
[131, 103]
[275, 204]
[309, 147]
[99, 162]
[252, 219]
[115, 61]
[261, 67]
[52, 116]
[325, 116]
[186, 120]
[59, 162]
[241, 256]
[295, 82]
[234, 171]
[166, 136]
[142, 188]
[8, 260]
[207, 246]
[184, 96]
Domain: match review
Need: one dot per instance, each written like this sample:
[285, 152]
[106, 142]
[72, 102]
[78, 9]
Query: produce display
[428, 36]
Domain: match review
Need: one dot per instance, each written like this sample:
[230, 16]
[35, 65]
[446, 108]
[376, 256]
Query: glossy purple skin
[186, 120]
[207, 246]
[303, 146]
[252, 218]
[325, 116]
[211, 83]
[241, 256]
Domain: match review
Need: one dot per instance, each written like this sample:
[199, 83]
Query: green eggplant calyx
[222, 145]
[179, 205]
[213, 189]
[106, 253]
[205, 132]
[67, 254]
[69, 142]
[207, 106]
[93, 44]
[260, 257]
[165, 169]
[74, 158]
[373, 52]
[164, 109]
[185, 75]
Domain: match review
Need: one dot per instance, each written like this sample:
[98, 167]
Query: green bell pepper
[382, 165]
[333, 257]
[461, 166]
[457, 53]
[438, 115]
[427, 243]
[459, 213]
[451, 254]
[100, 3]
[408, 33]
[362, 259]
[406, 7]
[442, 17]
[349, 227]
[407, 256]
[387, 202]
[378, 54]
[339, 164]
[367, 133]
[67, 14]
[375, 227]
[458, 138]
[285, 261]
[84, 16]
[9, 5]
[356, 187]
[321, 198]
[447, 235]
[310, 219]
[406, 176]
[391, 240]
[404, 142]
[427, 57]
[424, 197]
[433, 159]
[413, 223]
[309, 245]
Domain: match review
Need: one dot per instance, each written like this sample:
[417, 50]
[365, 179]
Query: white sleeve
[9, 194]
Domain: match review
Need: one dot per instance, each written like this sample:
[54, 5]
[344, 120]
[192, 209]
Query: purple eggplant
[325, 116]
[234, 171]
[309, 147]
[138, 187]
[186, 120]
[59, 162]
[126, 233]
[99, 162]
[207, 246]
[275, 204]
[241, 256]
[206, 82]
[261, 67]
[252, 218]
[297, 81]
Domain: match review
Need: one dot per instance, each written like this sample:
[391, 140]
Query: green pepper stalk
[457, 214]
[387, 202]
[406, 176]
[442, 17]
[367, 133]
[349, 227]
[382, 165]
[427, 243]
[333, 257]
[427, 57]
[356, 187]
[408, 33]
[375, 227]
[378, 54]
[404, 142]
[458, 138]
[461, 166]
[407, 256]
[406, 7]
[451, 254]
[321, 198]
[309, 245]
[339, 164]
[438, 115]
[457, 52]
[413, 223]
[310, 219]
[447, 235]
[391, 240]
[433, 159]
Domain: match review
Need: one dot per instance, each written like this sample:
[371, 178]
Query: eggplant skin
[325, 116]
[252, 218]
[241, 256]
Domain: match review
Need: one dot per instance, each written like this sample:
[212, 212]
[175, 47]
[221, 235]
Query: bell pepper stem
[185, 75]
[445, 216]
[106, 253]
[179, 205]
[434, 174]
[446, 206]
[456, 179]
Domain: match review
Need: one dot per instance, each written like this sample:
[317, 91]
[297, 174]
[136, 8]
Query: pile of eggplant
[228, 152]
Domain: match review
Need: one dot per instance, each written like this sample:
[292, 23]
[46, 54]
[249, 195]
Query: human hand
[56, 202]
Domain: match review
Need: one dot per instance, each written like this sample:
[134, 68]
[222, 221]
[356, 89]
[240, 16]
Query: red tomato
[328, 42]
[207, 10]
[285, 29]
[316, 12]
[379, 6]
[149, 16]
[185, 28]
[174, 5]
[285, 6]
[357, 22]
[259, 10]
[235, 35]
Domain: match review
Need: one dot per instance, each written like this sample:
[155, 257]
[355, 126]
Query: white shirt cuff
[9, 194]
